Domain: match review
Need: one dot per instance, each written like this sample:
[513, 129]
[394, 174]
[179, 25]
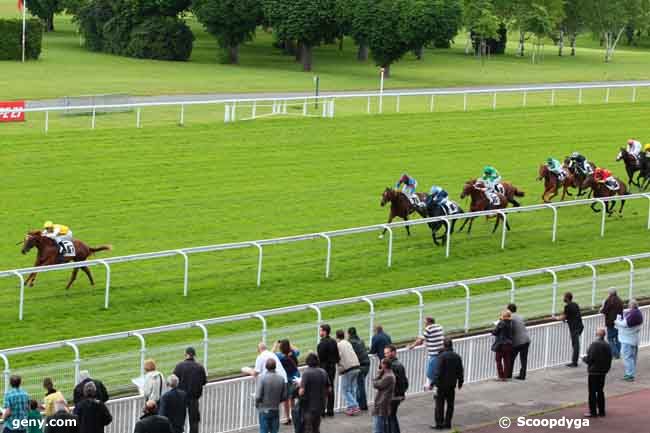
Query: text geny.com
[24, 424]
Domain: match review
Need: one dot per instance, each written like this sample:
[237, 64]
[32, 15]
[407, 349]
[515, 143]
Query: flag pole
[24, 2]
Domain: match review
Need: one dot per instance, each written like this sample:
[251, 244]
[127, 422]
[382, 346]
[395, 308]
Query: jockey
[58, 233]
[408, 185]
[491, 177]
[555, 167]
[579, 162]
[634, 147]
[602, 175]
[438, 196]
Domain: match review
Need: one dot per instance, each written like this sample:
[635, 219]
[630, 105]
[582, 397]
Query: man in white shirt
[260, 363]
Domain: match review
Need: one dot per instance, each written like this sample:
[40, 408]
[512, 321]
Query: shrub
[11, 31]
[162, 38]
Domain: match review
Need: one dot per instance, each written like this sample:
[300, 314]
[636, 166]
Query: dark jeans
[311, 422]
[597, 394]
[504, 360]
[269, 421]
[393, 422]
[575, 344]
[330, 369]
[448, 396]
[193, 415]
[522, 352]
[362, 399]
[612, 339]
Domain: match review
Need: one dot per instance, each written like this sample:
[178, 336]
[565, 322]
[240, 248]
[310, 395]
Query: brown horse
[511, 191]
[600, 190]
[552, 183]
[582, 180]
[48, 254]
[479, 201]
[632, 165]
[400, 206]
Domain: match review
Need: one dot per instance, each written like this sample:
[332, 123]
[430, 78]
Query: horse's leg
[408, 230]
[593, 207]
[72, 278]
[620, 211]
[496, 224]
[391, 216]
[89, 274]
[30, 279]
[471, 223]
[463, 225]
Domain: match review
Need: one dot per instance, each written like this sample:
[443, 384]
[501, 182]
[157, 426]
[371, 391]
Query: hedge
[11, 31]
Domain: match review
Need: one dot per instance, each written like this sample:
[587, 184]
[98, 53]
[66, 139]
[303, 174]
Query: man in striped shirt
[433, 338]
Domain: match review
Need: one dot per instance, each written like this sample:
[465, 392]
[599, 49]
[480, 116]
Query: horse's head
[543, 172]
[621, 154]
[32, 239]
[387, 196]
[468, 188]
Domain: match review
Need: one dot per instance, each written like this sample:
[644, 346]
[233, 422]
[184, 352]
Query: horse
[511, 191]
[48, 254]
[600, 190]
[400, 206]
[552, 183]
[434, 210]
[480, 202]
[632, 165]
[582, 180]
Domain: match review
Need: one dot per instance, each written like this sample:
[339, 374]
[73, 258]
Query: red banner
[10, 111]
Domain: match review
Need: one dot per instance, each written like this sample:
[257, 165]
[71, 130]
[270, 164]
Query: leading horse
[632, 165]
[48, 254]
[479, 201]
[400, 206]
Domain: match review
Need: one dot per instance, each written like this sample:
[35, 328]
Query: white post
[602, 221]
[381, 90]
[631, 289]
[284, 107]
[552, 97]
[420, 310]
[143, 350]
[513, 287]
[397, 105]
[47, 121]
[494, 101]
[329, 254]
[186, 270]
[554, 232]
[504, 228]
[206, 344]
[468, 300]
[304, 108]
[254, 113]
[319, 320]
[368, 106]
[264, 326]
[7, 371]
[524, 101]
[390, 245]
[182, 120]
[24, 29]
[594, 283]
[137, 118]
[464, 101]
[448, 240]
[108, 284]
[554, 275]
[580, 96]
[372, 315]
[332, 108]
[607, 96]
[92, 122]
[233, 115]
[22, 294]
[432, 104]
[260, 257]
[226, 113]
[633, 94]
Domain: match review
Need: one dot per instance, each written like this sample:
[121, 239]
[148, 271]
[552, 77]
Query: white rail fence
[327, 236]
[325, 104]
[228, 405]
[460, 313]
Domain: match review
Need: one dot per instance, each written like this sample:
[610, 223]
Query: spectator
[328, 353]
[502, 345]
[433, 337]
[271, 391]
[64, 421]
[35, 418]
[16, 406]
[152, 423]
[173, 404]
[574, 322]
[629, 327]
[92, 413]
[191, 379]
[264, 354]
[449, 374]
[401, 386]
[314, 390]
[78, 394]
[612, 307]
[349, 373]
[154, 382]
[288, 356]
[379, 341]
[361, 351]
[520, 343]
[51, 397]
[384, 383]
[599, 360]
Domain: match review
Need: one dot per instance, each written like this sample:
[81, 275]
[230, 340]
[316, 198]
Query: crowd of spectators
[308, 396]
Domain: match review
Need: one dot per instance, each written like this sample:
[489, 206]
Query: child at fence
[34, 417]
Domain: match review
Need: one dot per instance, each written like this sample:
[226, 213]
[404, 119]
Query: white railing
[326, 103]
[327, 236]
[228, 405]
[463, 309]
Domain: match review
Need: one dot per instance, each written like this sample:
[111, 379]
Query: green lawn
[67, 69]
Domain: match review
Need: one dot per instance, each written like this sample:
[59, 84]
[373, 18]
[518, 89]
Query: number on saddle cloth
[612, 184]
[493, 198]
[499, 188]
[450, 207]
[66, 248]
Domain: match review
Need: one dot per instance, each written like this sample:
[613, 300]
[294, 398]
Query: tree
[539, 23]
[387, 44]
[45, 10]
[232, 22]
[360, 13]
[308, 22]
[482, 22]
[572, 24]
[609, 18]
[427, 22]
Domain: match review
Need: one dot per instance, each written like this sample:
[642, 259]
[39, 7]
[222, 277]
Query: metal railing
[327, 236]
[326, 103]
[462, 309]
[228, 405]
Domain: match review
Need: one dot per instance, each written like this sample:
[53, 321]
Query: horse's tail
[518, 192]
[101, 248]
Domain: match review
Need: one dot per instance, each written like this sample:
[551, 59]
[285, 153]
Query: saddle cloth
[66, 248]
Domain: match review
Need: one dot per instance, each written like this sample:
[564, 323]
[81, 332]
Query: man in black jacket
[612, 307]
[449, 373]
[599, 360]
[328, 353]
[62, 421]
[364, 366]
[78, 393]
[152, 423]
[401, 386]
[573, 320]
[173, 404]
[192, 378]
[92, 413]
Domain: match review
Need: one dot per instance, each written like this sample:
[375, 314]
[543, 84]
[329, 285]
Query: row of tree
[387, 29]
